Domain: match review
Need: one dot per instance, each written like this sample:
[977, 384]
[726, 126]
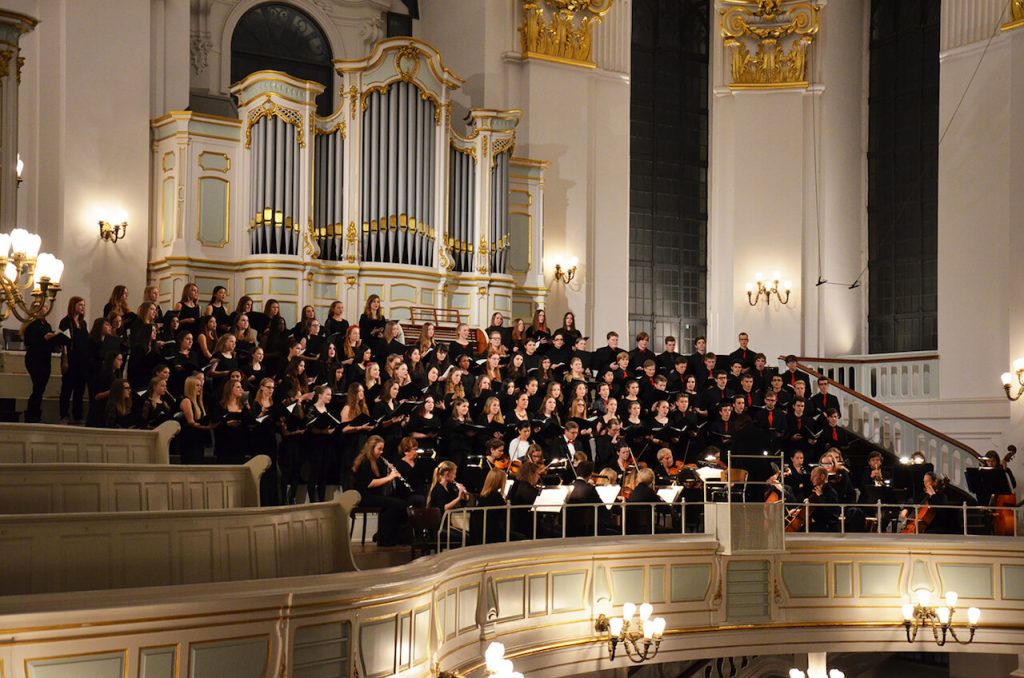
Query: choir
[423, 423]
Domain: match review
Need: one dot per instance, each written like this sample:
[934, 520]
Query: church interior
[312, 309]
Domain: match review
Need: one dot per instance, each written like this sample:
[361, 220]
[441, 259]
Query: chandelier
[497, 665]
[940, 619]
[638, 634]
[29, 280]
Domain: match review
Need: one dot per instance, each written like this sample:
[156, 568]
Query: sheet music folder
[551, 499]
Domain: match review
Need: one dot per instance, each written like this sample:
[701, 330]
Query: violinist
[579, 522]
[523, 493]
[638, 519]
[623, 463]
[667, 470]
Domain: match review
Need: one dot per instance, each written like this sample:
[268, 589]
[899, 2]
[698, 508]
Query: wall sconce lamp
[637, 633]
[1007, 378]
[113, 232]
[940, 619]
[565, 270]
[753, 298]
[19, 168]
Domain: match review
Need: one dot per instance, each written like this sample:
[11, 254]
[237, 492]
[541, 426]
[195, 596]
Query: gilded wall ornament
[1016, 15]
[561, 30]
[269, 109]
[5, 62]
[352, 238]
[769, 44]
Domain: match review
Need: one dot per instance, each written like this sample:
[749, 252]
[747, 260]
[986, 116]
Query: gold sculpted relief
[769, 42]
[561, 30]
[1016, 15]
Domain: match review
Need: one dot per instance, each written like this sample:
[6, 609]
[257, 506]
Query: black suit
[523, 495]
[579, 522]
[820, 404]
[824, 518]
[638, 518]
[745, 356]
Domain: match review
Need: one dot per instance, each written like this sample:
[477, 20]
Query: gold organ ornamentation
[310, 247]
[270, 109]
[755, 38]
[5, 62]
[1016, 15]
[561, 30]
[352, 236]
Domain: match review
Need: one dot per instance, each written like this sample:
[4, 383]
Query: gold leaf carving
[561, 30]
[757, 39]
[270, 109]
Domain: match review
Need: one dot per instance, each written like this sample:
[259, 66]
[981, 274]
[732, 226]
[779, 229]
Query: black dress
[188, 317]
[496, 520]
[392, 509]
[38, 352]
[72, 386]
[231, 437]
[317, 449]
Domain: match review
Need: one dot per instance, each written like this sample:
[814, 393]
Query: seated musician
[492, 495]
[823, 518]
[520, 445]
[638, 518]
[523, 493]
[875, 479]
[564, 446]
[579, 522]
[839, 476]
[940, 521]
[798, 480]
[667, 471]
[623, 462]
[993, 461]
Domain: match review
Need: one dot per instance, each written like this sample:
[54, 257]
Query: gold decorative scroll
[561, 30]
[445, 254]
[769, 42]
[269, 109]
[311, 249]
[351, 237]
[1016, 15]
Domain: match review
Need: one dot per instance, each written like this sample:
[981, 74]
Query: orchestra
[511, 410]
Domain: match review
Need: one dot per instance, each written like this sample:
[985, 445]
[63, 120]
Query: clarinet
[400, 478]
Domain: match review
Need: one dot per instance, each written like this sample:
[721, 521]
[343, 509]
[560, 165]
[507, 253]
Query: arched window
[279, 37]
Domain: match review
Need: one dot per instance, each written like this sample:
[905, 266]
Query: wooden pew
[84, 488]
[50, 444]
[103, 551]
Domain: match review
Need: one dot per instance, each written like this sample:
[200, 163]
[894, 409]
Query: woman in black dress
[99, 388]
[195, 424]
[188, 306]
[119, 406]
[374, 479]
[40, 341]
[217, 309]
[291, 423]
[231, 438]
[372, 320]
[492, 496]
[456, 438]
[336, 323]
[320, 428]
[446, 494]
[391, 427]
[425, 426]
[275, 346]
[416, 472]
[72, 385]
[156, 407]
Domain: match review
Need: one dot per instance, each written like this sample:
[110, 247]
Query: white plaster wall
[84, 131]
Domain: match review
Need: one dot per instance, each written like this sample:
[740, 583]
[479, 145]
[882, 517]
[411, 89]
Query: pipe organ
[382, 197]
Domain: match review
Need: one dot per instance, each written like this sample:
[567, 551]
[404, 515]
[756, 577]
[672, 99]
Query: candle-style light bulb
[908, 612]
[797, 673]
[628, 610]
[973, 615]
[924, 597]
[645, 611]
[615, 626]
[1018, 365]
[1006, 378]
[943, 613]
[951, 598]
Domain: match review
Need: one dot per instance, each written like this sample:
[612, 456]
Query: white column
[12, 27]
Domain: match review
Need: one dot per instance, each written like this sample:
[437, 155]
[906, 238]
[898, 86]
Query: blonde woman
[195, 430]
[375, 479]
[188, 306]
[492, 498]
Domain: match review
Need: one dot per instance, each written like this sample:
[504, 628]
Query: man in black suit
[772, 420]
[800, 428]
[579, 522]
[641, 353]
[564, 446]
[743, 353]
[794, 375]
[667, 360]
[822, 401]
[604, 358]
[823, 518]
[832, 435]
[719, 393]
[678, 373]
[638, 518]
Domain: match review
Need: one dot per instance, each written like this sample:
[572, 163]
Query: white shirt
[518, 449]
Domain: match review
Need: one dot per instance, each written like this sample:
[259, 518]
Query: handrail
[867, 361]
[888, 410]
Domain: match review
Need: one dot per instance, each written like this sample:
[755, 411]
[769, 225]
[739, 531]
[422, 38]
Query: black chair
[425, 522]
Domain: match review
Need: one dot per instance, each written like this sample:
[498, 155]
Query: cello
[925, 515]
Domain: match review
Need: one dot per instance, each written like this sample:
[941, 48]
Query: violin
[797, 518]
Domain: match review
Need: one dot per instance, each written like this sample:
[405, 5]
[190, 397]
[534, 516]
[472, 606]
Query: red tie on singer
[835, 434]
[769, 420]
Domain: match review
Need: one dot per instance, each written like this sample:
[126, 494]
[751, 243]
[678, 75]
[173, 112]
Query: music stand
[984, 483]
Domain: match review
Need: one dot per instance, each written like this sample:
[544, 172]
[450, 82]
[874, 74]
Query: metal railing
[460, 529]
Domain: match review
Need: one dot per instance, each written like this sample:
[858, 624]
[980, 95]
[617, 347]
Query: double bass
[1004, 521]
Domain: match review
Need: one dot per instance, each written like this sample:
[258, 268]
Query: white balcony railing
[886, 377]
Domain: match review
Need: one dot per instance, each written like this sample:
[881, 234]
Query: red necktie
[726, 426]
[835, 434]
[769, 420]
[749, 400]
[799, 423]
